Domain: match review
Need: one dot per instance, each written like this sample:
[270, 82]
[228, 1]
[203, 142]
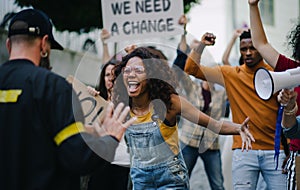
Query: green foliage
[188, 4]
[77, 15]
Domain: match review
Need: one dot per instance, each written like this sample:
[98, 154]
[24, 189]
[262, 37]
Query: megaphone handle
[283, 105]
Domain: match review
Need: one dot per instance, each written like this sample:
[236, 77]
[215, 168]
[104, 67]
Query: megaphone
[266, 83]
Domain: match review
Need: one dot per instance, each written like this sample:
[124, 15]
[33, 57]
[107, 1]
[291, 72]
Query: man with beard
[238, 82]
[43, 142]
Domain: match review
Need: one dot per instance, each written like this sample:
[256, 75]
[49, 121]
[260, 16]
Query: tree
[188, 4]
[77, 15]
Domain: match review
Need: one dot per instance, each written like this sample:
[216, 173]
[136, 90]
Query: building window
[267, 11]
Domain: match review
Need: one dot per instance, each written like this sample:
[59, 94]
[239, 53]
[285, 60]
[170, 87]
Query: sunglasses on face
[138, 69]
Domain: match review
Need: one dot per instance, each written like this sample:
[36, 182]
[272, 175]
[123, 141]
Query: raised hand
[253, 2]
[287, 98]
[93, 91]
[208, 39]
[128, 49]
[114, 123]
[104, 35]
[182, 20]
[237, 33]
[246, 136]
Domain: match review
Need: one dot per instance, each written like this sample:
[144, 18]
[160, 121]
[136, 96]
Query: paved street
[199, 179]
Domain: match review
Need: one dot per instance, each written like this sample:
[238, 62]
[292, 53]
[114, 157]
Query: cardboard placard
[93, 106]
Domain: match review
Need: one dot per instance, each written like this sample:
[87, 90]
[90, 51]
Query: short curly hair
[161, 81]
[294, 42]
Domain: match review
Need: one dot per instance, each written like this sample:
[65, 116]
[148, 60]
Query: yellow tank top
[169, 133]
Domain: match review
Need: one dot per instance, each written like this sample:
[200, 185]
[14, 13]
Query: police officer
[43, 142]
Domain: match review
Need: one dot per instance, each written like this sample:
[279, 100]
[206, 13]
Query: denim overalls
[153, 164]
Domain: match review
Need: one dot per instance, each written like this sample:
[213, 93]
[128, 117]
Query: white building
[223, 16]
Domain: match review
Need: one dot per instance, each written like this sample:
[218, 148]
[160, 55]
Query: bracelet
[292, 111]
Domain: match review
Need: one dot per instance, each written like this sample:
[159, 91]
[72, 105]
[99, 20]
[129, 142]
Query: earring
[43, 55]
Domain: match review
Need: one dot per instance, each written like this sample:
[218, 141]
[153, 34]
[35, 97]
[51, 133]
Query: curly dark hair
[294, 42]
[161, 81]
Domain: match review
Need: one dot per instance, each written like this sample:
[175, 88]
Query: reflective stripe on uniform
[69, 131]
[7, 96]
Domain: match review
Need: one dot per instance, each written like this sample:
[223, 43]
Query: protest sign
[140, 19]
[93, 106]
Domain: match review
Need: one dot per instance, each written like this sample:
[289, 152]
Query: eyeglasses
[138, 69]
